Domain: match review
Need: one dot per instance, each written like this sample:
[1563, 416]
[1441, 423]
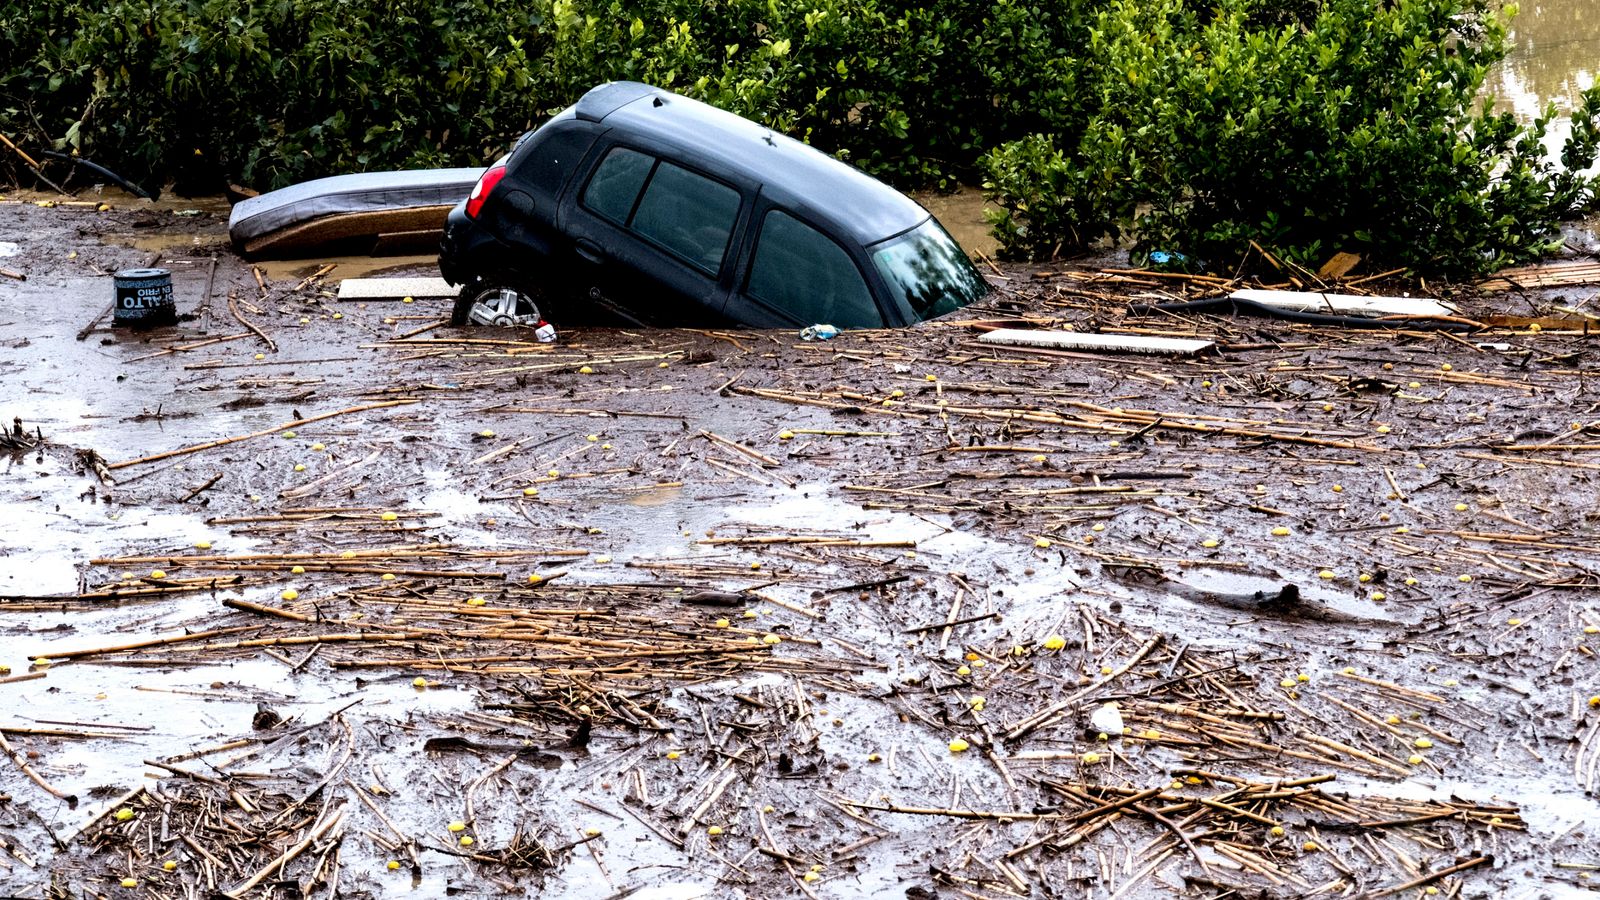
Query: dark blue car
[645, 205]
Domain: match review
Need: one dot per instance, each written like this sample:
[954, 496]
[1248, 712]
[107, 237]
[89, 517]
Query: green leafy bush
[1356, 125]
[275, 91]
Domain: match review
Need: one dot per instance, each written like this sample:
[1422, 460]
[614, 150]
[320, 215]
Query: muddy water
[1555, 56]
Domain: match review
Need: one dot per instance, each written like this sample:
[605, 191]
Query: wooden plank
[1345, 304]
[394, 288]
[1339, 265]
[1097, 343]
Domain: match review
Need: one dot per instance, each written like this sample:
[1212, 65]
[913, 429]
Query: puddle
[346, 267]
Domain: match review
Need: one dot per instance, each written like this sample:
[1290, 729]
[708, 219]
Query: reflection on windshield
[927, 272]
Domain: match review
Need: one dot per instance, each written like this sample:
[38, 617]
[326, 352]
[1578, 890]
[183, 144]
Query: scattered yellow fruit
[1042, 543]
[1286, 683]
[1280, 531]
[1594, 701]
[261, 356]
[535, 578]
[593, 438]
[392, 865]
[130, 882]
[605, 446]
[977, 704]
[466, 840]
[1411, 581]
[477, 601]
[1209, 543]
[1338, 489]
[123, 814]
[158, 575]
[297, 570]
[1461, 507]
[1513, 621]
[554, 473]
[318, 447]
[1415, 759]
[591, 832]
[338, 315]
[290, 594]
[1309, 846]
[1591, 629]
[930, 377]
[770, 639]
[419, 681]
[299, 467]
[1383, 429]
[1054, 642]
[963, 671]
[1535, 328]
[673, 754]
[169, 865]
[714, 830]
[586, 370]
[406, 300]
[530, 492]
[486, 433]
[1090, 758]
[1277, 831]
[1424, 743]
[873, 757]
[1302, 677]
[389, 517]
[1402, 530]
[959, 746]
[1464, 579]
[456, 826]
[202, 545]
[1379, 596]
[387, 576]
[1325, 575]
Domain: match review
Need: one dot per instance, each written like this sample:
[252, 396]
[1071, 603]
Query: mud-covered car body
[668, 211]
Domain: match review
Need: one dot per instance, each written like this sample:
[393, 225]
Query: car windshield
[927, 272]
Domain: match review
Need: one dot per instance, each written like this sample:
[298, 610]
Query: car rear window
[801, 272]
[688, 214]
[616, 183]
[927, 272]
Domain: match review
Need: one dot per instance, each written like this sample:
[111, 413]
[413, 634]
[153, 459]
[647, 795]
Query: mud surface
[663, 614]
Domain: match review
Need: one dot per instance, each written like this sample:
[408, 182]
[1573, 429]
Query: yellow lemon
[1054, 642]
[290, 594]
[959, 746]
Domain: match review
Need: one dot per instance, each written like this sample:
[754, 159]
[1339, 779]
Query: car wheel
[498, 303]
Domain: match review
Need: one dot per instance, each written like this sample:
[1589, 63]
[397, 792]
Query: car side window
[688, 214]
[803, 273]
[616, 183]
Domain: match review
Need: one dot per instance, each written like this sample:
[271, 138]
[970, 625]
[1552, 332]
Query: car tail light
[481, 190]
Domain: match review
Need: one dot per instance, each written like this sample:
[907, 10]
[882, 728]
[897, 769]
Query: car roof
[835, 193]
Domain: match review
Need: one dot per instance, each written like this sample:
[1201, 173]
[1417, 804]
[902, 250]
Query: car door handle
[590, 252]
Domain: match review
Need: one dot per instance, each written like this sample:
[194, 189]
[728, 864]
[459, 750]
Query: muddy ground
[664, 614]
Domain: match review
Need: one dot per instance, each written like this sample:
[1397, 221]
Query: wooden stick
[1435, 876]
[27, 770]
[233, 307]
[255, 434]
[288, 855]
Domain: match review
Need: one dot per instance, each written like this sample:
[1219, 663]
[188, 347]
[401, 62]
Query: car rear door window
[688, 214]
[802, 273]
[616, 183]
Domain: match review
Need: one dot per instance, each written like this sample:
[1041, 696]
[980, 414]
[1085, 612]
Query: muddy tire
[499, 303]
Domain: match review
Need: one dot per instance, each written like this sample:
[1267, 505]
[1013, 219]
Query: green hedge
[1193, 125]
[275, 91]
[1353, 125]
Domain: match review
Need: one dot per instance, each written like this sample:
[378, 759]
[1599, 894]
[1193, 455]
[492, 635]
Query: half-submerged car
[662, 210]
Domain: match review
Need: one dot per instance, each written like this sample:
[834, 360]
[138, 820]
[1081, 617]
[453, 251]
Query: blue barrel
[144, 299]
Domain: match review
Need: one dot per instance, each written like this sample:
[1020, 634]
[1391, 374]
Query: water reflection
[1555, 53]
